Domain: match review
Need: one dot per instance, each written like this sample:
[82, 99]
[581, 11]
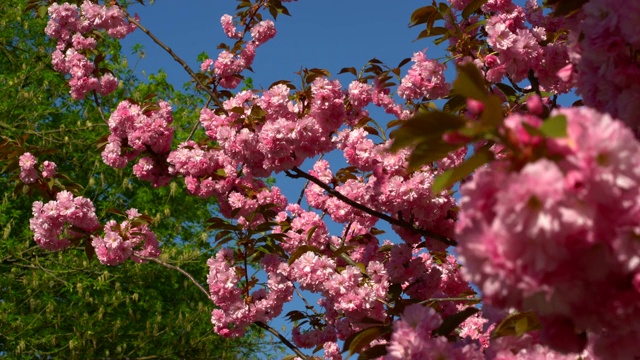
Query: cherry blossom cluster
[29, 172]
[552, 233]
[230, 64]
[389, 188]
[604, 46]
[74, 29]
[137, 131]
[281, 140]
[424, 79]
[412, 338]
[209, 172]
[237, 309]
[58, 222]
[520, 42]
[130, 239]
[350, 294]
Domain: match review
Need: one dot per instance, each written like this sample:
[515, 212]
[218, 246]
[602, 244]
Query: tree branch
[297, 173]
[283, 339]
[191, 73]
[169, 266]
[204, 291]
[97, 101]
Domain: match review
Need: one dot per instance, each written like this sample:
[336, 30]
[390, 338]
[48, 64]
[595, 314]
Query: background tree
[61, 304]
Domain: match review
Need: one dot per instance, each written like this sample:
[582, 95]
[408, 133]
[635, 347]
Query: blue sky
[329, 34]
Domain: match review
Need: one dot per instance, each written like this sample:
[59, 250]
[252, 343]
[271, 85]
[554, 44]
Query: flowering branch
[204, 291]
[297, 173]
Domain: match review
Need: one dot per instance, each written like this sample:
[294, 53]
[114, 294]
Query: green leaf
[454, 104]
[451, 322]
[566, 7]
[508, 91]
[358, 341]
[554, 127]
[373, 353]
[421, 15]
[452, 176]
[311, 232]
[350, 70]
[517, 324]
[301, 251]
[427, 152]
[429, 126]
[472, 7]
[492, 116]
[470, 82]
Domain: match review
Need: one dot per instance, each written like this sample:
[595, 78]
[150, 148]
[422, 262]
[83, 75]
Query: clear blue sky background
[327, 34]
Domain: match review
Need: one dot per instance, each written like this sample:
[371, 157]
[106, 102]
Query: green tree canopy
[63, 305]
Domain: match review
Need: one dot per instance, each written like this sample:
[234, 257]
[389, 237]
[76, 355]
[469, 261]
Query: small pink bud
[534, 105]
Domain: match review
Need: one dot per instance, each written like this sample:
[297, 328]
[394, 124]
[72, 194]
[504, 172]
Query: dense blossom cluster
[238, 310]
[139, 131]
[29, 172]
[424, 79]
[129, 239]
[412, 338]
[74, 29]
[69, 218]
[520, 43]
[604, 47]
[283, 139]
[229, 65]
[59, 221]
[553, 233]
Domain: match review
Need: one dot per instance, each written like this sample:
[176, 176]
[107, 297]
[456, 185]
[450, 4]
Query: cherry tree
[534, 255]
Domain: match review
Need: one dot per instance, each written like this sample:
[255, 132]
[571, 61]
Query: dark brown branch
[297, 173]
[306, 303]
[535, 84]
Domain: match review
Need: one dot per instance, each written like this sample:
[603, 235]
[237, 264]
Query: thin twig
[449, 299]
[297, 173]
[97, 101]
[305, 185]
[283, 339]
[259, 323]
[191, 73]
[306, 303]
[195, 126]
[169, 266]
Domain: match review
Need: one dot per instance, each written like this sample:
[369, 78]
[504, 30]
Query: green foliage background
[62, 305]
